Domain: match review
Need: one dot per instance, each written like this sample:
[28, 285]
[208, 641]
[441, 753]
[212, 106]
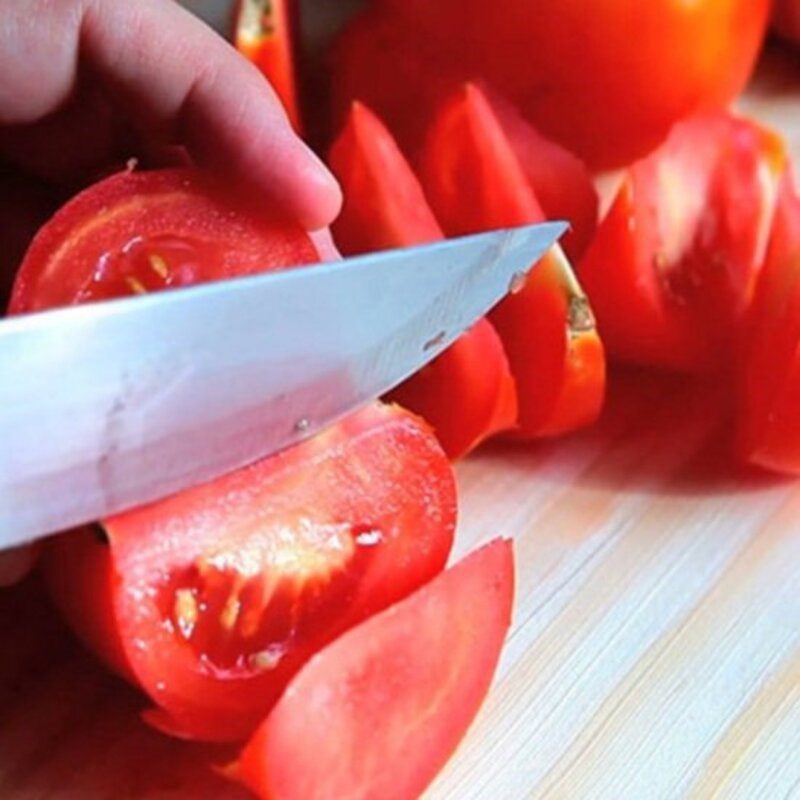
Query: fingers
[189, 85]
[179, 82]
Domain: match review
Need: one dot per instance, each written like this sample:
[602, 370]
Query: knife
[107, 406]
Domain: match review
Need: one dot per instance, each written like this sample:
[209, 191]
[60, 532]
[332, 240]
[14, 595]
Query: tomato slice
[673, 268]
[212, 599]
[475, 182]
[263, 33]
[769, 396]
[137, 232]
[378, 712]
[467, 393]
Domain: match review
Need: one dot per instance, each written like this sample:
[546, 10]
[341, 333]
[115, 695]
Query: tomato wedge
[137, 232]
[674, 265]
[467, 393]
[475, 182]
[263, 33]
[377, 713]
[212, 599]
[769, 397]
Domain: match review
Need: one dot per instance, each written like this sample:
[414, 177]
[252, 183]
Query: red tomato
[212, 599]
[143, 231]
[467, 393]
[424, 82]
[605, 78]
[475, 182]
[673, 267]
[769, 397]
[262, 32]
[377, 713]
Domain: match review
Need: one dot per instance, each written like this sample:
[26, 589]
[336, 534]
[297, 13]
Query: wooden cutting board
[655, 650]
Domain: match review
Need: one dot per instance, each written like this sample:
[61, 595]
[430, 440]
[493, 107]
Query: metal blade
[108, 406]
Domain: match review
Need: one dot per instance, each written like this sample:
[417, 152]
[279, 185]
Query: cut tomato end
[423, 665]
[144, 231]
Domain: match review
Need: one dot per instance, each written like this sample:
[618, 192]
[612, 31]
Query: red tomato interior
[144, 231]
[673, 268]
[377, 713]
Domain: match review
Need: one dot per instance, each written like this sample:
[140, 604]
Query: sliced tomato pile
[673, 268]
[467, 393]
[475, 182]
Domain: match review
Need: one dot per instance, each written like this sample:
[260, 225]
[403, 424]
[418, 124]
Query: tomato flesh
[674, 265]
[218, 595]
[475, 183]
[143, 231]
[467, 393]
[422, 666]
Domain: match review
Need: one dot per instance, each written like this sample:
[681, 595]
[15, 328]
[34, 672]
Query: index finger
[187, 84]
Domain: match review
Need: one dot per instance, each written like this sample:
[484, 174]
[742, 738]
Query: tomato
[467, 393]
[143, 231]
[475, 182]
[424, 82]
[262, 32]
[605, 78]
[674, 265]
[212, 599]
[377, 713]
[769, 396]
[786, 19]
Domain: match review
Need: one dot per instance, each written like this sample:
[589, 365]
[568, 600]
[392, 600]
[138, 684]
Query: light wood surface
[655, 651]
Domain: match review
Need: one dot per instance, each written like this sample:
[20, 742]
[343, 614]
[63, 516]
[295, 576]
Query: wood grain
[655, 651]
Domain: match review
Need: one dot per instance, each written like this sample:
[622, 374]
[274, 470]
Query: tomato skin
[467, 394]
[475, 183]
[606, 79]
[262, 32]
[768, 429]
[433, 654]
[674, 265]
[174, 208]
[291, 551]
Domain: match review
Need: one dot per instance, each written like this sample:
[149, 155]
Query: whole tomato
[604, 77]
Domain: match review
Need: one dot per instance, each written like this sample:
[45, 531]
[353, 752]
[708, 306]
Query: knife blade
[111, 405]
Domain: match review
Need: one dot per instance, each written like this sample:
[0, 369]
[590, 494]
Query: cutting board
[655, 648]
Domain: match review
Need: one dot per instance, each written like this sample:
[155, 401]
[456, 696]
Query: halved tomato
[263, 33]
[212, 599]
[143, 231]
[467, 393]
[377, 713]
[673, 268]
[475, 182]
[769, 396]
